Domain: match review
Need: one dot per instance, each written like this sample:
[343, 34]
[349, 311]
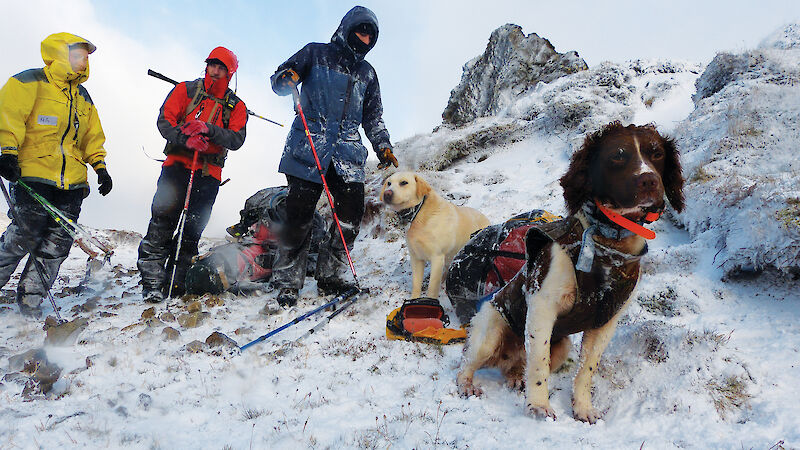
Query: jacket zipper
[63, 153]
[350, 83]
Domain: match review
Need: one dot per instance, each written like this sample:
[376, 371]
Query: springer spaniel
[580, 272]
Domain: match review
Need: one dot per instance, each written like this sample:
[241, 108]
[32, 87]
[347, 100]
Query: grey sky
[421, 50]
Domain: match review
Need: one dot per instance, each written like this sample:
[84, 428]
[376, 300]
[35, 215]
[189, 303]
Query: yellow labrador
[438, 229]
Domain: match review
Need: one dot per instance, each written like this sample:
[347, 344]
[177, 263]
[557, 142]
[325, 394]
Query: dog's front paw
[541, 411]
[517, 383]
[586, 414]
[467, 389]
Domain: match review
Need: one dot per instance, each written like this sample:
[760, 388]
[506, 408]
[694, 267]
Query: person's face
[365, 38]
[79, 59]
[216, 71]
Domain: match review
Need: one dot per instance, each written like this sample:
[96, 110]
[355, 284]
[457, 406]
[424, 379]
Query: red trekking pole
[296, 98]
[182, 222]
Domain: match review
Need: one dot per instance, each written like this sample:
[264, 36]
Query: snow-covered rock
[511, 65]
[567, 109]
[740, 157]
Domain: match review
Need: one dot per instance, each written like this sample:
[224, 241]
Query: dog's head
[628, 169]
[403, 190]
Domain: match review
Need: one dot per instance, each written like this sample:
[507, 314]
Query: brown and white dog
[438, 229]
[574, 281]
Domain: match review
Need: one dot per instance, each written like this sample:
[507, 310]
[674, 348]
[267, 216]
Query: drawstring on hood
[55, 54]
[354, 18]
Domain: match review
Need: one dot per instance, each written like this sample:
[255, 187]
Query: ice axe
[155, 74]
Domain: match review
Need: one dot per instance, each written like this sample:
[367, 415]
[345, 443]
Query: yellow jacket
[48, 119]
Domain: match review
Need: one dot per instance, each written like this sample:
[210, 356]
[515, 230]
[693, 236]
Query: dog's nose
[647, 181]
[387, 196]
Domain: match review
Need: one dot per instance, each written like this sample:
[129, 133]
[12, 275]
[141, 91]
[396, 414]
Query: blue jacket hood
[353, 18]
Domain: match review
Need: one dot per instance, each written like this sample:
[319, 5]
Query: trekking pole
[351, 292]
[75, 230]
[31, 254]
[330, 316]
[296, 98]
[182, 223]
[155, 74]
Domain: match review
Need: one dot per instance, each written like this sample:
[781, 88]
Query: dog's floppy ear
[423, 188]
[673, 178]
[576, 182]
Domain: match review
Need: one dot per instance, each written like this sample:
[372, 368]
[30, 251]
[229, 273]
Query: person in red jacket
[204, 117]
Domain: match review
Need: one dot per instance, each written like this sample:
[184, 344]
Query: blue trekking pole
[350, 293]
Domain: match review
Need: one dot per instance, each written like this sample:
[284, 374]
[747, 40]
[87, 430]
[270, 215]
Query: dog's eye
[619, 156]
[403, 183]
[388, 183]
[657, 154]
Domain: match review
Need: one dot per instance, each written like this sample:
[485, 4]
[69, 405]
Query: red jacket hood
[231, 62]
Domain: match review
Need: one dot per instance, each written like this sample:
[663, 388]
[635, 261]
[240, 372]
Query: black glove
[284, 82]
[386, 158]
[9, 167]
[104, 180]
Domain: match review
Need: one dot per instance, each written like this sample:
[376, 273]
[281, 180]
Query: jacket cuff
[97, 165]
[381, 146]
[10, 150]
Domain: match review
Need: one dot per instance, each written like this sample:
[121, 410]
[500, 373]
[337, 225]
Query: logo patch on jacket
[47, 120]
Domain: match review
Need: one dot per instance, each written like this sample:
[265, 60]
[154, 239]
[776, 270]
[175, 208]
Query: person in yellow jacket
[49, 132]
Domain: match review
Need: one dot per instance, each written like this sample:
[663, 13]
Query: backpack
[489, 260]
[247, 263]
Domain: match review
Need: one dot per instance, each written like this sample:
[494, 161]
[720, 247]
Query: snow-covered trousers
[289, 269]
[33, 228]
[157, 249]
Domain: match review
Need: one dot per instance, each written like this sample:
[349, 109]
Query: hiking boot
[287, 297]
[333, 286]
[153, 296]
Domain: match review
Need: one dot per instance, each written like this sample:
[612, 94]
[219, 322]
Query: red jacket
[222, 137]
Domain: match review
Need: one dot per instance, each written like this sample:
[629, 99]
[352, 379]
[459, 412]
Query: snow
[692, 336]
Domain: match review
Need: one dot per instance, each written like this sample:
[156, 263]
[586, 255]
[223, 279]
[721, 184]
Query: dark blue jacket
[340, 91]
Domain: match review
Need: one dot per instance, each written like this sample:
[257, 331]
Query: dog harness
[602, 290]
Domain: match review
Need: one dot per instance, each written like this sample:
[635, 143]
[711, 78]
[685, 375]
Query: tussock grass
[729, 394]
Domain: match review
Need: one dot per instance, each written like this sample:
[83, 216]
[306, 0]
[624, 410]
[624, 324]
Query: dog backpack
[489, 260]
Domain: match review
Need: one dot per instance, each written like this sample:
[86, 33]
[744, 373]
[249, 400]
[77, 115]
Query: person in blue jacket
[340, 91]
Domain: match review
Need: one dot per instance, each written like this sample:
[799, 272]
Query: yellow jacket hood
[55, 54]
[48, 119]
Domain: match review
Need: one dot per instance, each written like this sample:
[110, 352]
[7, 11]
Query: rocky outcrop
[511, 65]
[739, 151]
[768, 63]
[569, 108]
